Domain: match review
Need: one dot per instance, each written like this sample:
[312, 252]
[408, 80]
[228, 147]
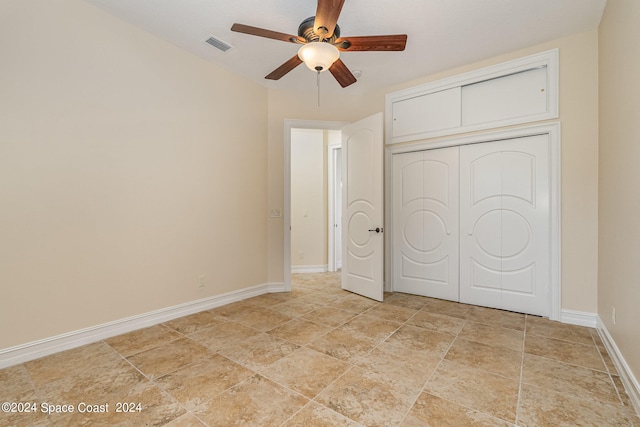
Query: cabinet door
[425, 223]
[505, 224]
[513, 97]
[426, 113]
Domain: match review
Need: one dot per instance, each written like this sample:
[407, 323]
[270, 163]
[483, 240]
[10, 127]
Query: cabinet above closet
[515, 92]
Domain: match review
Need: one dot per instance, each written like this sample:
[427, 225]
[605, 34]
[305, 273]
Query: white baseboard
[44, 347]
[630, 382]
[309, 268]
[579, 318]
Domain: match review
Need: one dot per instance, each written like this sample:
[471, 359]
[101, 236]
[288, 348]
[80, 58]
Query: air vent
[218, 44]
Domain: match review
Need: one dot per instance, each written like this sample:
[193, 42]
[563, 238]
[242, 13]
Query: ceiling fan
[320, 37]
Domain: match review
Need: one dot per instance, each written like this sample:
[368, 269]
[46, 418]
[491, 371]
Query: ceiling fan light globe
[318, 56]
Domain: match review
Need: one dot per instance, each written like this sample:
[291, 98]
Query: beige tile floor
[321, 356]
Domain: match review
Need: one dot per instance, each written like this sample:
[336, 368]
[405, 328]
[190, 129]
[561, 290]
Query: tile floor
[321, 356]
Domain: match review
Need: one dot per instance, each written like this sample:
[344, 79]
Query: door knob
[377, 230]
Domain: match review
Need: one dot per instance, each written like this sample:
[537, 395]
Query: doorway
[362, 197]
[290, 128]
[316, 192]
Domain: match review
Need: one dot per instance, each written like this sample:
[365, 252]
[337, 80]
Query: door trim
[290, 124]
[551, 129]
[332, 151]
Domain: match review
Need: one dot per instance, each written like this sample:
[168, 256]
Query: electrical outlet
[613, 314]
[300, 254]
[202, 279]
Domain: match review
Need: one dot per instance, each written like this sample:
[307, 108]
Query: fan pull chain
[318, 85]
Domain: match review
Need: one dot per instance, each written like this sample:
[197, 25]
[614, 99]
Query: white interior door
[363, 183]
[425, 223]
[505, 224]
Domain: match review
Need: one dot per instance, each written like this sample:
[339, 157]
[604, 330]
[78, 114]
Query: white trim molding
[332, 153]
[44, 347]
[309, 268]
[580, 318]
[630, 382]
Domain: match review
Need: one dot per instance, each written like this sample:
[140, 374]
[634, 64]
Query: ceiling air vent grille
[218, 44]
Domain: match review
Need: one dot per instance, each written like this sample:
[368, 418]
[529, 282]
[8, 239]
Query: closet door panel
[526, 225]
[480, 226]
[425, 215]
[505, 224]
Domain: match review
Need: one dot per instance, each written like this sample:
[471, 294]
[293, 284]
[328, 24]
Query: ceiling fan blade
[342, 73]
[284, 68]
[261, 32]
[394, 42]
[327, 14]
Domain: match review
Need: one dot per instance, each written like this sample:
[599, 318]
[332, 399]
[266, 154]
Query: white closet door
[505, 224]
[425, 223]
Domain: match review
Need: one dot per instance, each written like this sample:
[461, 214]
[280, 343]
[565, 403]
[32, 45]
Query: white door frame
[333, 197]
[290, 124]
[551, 129]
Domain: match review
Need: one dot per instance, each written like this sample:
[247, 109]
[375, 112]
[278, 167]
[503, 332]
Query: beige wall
[619, 202]
[579, 118]
[308, 198]
[127, 170]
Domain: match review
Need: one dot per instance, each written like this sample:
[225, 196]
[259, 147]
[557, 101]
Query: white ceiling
[442, 34]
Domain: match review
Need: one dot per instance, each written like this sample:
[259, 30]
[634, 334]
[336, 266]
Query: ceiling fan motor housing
[306, 31]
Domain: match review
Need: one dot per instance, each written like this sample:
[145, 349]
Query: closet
[475, 218]
[472, 223]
